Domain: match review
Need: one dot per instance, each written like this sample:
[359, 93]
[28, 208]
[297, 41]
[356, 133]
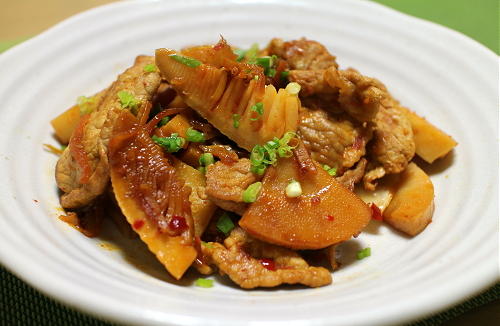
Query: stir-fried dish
[254, 163]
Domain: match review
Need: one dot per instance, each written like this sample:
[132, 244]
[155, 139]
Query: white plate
[441, 74]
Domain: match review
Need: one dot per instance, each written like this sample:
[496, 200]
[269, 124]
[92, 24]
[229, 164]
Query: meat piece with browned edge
[82, 171]
[335, 140]
[226, 183]
[302, 54]
[252, 263]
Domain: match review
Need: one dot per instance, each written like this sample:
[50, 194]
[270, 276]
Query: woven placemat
[21, 305]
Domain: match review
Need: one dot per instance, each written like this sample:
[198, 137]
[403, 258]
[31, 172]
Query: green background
[479, 19]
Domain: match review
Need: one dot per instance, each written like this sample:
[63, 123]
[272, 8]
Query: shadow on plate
[137, 254]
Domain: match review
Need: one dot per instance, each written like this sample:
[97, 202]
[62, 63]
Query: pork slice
[335, 140]
[393, 145]
[244, 260]
[302, 54]
[226, 183]
[82, 172]
[353, 176]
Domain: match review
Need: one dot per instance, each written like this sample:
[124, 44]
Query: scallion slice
[236, 120]
[225, 224]
[363, 253]
[195, 136]
[252, 192]
[204, 283]
[206, 159]
[171, 144]
[190, 62]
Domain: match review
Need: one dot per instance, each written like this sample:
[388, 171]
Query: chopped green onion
[207, 244]
[259, 108]
[150, 68]
[252, 192]
[363, 253]
[240, 54]
[127, 100]
[171, 144]
[257, 154]
[225, 224]
[195, 136]
[263, 155]
[84, 103]
[284, 74]
[202, 169]
[271, 72]
[293, 189]
[163, 121]
[285, 150]
[206, 159]
[265, 62]
[204, 283]
[251, 54]
[259, 170]
[190, 62]
[293, 88]
[331, 171]
[256, 77]
[236, 120]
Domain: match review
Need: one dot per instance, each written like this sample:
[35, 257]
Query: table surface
[22, 305]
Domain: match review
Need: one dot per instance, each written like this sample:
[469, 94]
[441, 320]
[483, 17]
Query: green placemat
[22, 305]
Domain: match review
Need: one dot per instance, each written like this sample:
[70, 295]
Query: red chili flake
[268, 263]
[177, 224]
[138, 224]
[329, 217]
[315, 200]
[376, 213]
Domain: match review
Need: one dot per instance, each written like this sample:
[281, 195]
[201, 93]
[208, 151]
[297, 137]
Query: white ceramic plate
[441, 74]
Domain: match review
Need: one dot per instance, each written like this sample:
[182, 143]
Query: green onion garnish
[251, 54]
[250, 194]
[225, 224]
[202, 169]
[236, 120]
[171, 144]
[284, 74]
[150, 68]
[207, 244]
[259, 108]
[163, 121]
[195, 136]
[293, 88]
[240, 54]
[263, 155]
[204, 283]
[363, 253]
[190, 62]
[265, 62]
[293, 189]
[127, 100]
[84, 103]
[268, 63]
[271, 72]
[206, 159]
[331, 171]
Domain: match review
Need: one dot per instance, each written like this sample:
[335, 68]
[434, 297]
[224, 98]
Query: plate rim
[15, 264]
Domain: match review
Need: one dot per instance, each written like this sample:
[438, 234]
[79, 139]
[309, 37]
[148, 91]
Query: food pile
[254, 163]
